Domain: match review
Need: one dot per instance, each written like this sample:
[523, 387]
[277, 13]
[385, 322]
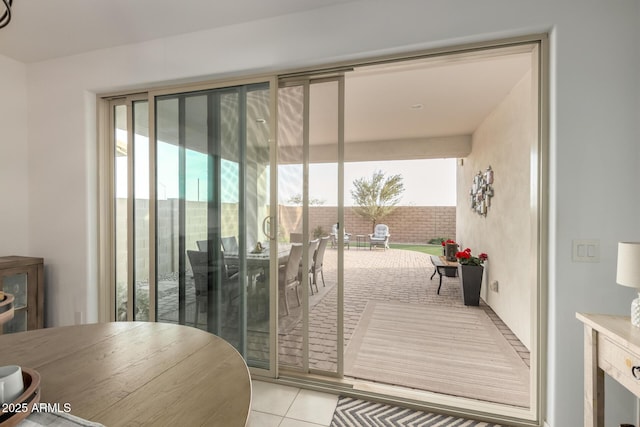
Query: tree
[313, 201]
[377, 197]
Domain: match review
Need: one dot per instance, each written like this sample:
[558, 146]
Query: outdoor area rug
[352, 412]
[457, 351]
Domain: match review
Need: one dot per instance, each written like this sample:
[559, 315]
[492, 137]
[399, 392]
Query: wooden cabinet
[23, 277]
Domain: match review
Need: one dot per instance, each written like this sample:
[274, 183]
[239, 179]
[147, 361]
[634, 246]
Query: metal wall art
[482, 191]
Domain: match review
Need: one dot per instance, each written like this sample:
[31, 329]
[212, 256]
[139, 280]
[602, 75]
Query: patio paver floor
[393, 275]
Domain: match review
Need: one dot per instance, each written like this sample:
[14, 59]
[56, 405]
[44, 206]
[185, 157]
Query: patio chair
[230, 244]
[318, 261]
[380, 236]
[295, 238]
[334, 237]
[203, 246]
[202, 271]
[288, 277]
[313, 247]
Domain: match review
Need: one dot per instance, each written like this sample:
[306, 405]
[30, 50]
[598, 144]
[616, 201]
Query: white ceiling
[456, 91]
[449, 96]
[45, 29]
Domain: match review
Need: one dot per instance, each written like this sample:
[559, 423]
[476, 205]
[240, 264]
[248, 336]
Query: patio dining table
[259, 260]
[258, 263]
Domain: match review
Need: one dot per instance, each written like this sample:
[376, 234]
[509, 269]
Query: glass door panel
[141, 209]
[131, 209]
[323, 218]
[212, 196]
[254, 181]
[291, 118]
[121, 212]
[309, 213]
[167, 196]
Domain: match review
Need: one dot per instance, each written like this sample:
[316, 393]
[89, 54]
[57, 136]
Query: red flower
[448, 241]
[465, 257]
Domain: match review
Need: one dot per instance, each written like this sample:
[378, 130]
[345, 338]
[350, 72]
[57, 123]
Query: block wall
[407, 224]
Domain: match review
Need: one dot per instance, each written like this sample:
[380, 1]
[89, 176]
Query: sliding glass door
[310, 214]
[212, 197]
[130, 154]
[192, 208]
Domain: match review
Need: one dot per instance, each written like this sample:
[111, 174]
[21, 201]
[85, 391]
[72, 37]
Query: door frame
[306, 81]
[534, 416]
[540, 210]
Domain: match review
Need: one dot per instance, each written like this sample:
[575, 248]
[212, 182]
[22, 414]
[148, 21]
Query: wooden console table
[612, 347]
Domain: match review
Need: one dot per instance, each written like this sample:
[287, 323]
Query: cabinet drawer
[619, 363]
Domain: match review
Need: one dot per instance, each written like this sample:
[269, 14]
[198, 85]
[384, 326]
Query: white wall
[594, 151]
[14, 167]
[503, 141]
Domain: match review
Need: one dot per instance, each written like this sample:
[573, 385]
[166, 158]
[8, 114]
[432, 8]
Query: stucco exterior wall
[503, 141]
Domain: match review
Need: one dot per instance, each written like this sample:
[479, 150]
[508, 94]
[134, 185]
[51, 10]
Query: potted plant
[471, 269]
[449, 249]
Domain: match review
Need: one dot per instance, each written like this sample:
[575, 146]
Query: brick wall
[407, 224]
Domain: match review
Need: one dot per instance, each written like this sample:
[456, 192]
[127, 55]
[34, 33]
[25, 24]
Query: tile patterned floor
[276, 405]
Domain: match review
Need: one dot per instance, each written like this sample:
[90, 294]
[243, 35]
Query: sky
[426, 182]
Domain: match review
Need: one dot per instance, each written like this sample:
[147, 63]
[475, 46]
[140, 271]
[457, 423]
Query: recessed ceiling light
[417, 107]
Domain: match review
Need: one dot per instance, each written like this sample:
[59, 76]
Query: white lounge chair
[380, 236]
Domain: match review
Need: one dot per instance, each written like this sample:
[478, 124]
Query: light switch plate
[586, 250]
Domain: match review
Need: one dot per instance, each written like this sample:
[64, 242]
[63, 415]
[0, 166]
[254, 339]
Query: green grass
[425, 249]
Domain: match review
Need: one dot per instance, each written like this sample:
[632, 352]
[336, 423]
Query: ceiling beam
[400, 149]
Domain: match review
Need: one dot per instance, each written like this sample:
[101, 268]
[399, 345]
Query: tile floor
[276, 405]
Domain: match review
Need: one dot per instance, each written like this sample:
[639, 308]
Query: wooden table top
[448, 263]
[136, 373]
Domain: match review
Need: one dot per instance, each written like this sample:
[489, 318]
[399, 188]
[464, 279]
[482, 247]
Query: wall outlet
[494, 286]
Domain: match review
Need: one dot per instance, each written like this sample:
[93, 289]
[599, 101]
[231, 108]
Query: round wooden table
[136, 373]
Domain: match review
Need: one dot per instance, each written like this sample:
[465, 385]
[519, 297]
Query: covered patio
[390, 291]
[398, 330]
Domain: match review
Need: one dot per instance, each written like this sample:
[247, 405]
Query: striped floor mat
[352, 412]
